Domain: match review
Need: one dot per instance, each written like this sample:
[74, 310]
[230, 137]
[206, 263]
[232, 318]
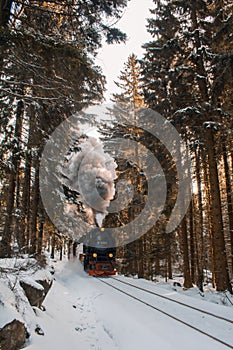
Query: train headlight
[102, 229]
[110, 255]
[94, 255]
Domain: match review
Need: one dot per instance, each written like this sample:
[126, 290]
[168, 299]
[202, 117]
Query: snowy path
[83, 313]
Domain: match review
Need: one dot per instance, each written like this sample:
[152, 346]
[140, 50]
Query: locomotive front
[100, 253]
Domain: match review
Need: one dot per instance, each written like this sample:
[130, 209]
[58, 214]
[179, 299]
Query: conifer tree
[47, 67]
[138, 254]
[184, 68]
[130, 84]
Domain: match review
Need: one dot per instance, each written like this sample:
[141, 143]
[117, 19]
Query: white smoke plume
[91, 173]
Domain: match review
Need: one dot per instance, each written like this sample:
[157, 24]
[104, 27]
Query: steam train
[99, 254]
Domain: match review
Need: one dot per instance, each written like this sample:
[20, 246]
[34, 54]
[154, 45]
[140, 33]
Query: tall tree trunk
[229, 199]
[199, 224]
[219, 251]
[185, 252]
[200, 65]
[169, 258]
[41, 228]
[25, 216]
[134, 258]
[61, 250]
[69, 248]
[25, 204]
[16, 221]
[157, 265]
[192, 244]
[140, 257]
[34, 209]
[5, 244]
[53, 242]
[209, 243]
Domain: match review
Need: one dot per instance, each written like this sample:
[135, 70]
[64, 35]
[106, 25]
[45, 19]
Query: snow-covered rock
[13, 335]
[35, 291]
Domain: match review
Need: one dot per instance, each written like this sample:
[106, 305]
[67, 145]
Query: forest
[48, 73]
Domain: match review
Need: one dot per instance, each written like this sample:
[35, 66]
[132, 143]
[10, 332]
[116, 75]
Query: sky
[111, 58]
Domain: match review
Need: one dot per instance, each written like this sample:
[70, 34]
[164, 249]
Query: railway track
[148, 304]
[175, 301]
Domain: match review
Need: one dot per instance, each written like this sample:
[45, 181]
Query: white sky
[112, 57]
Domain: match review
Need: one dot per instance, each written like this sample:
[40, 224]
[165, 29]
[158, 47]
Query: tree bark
[25, 205]
[185, 252]
[34, 210]
[140, 258]
[229, 199]
[219, 251]
[200, 65]
[199, 224]
[192, 244]
[5, 244]
[52, 255]
[41, 229]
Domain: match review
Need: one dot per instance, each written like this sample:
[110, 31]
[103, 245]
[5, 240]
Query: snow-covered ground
[13, 301]
[84, 313]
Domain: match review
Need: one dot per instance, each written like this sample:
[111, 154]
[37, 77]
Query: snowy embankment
[23, 283]
[83, 313]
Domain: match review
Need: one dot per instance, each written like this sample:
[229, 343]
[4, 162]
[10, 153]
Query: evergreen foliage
[187, 74]
[47, 72]
[130, 84]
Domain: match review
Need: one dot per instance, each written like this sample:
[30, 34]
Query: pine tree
[47, 65]
[184, 68]
[129, 84]
[137, 254]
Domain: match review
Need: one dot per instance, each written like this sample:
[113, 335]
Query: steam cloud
[91, 173]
